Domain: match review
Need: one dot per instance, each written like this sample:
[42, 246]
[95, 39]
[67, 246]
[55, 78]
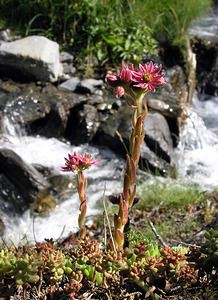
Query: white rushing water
[197, 154]
[197, 151]
[206, 27]
[50, 153]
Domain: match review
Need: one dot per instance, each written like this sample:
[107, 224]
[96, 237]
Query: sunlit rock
[89, 86]
[70, 84]
[30, 58]
[158, 137]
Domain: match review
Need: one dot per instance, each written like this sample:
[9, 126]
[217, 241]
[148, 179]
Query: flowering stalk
[77, 163]
[133, 85]
[81, 188]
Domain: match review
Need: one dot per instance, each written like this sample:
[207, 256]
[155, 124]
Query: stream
[197, 151]
[104, 178]
[196, 163]
[196, 157]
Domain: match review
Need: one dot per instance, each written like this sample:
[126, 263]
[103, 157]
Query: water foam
[104, 179]
[197, 151]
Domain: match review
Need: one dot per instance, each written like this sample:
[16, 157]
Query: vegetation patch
[129, 264]
[179, 213]
[78, 269]
[108, 30]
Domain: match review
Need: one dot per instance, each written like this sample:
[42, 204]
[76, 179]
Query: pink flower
[119, 91]
[78, 162]
[112, 79]
[125, 74]
[123, 77]
[148, 77]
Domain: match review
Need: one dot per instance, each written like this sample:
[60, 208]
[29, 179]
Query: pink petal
[142, 69]
[136, 76]
[132, 67]
[141, 85]
[150, 67]
[119, 91]
[157, 70]
[151, 88]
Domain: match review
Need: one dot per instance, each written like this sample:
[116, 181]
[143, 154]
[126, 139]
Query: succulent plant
[7, 261]
[210, 246]
[26, 270]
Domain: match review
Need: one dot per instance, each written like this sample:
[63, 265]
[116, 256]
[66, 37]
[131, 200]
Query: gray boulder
[66, 57]
[70, 84]
[68, 69]
[158, 137]
[207, 65]
[36, 113]
[89, 86]
[157, 151]
[82, 124]
[151, 162]
[168, 108]
[19, 183]
[5, 35]
[30, 58]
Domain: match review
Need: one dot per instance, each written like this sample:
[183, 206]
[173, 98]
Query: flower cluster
[133, 84]
[78, 162]
[146, 78]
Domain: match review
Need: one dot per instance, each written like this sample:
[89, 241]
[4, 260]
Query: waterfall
[197, 151]
[50, 153]
[197, 162]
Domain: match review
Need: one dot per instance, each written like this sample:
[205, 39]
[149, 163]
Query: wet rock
[204, 40]
[115, 129]
[2, 227]
[43, 204]
[103, 107]
[207, 65]
[1, 125]
[52, 125]
[152, 163]
[168, 108]
[25, 109]
[3, 101]
[110, 125]
[66, 57]
[82, 124]
[158, 137]
[62, 186]
[20, 183]
[9, 87]
[5, 35]
[43, 112]
[10, 199]
[170, 99]
[70, 84]
[30, 58]
[176, 80]
[68, 69]
[89, 86]
[68, 100]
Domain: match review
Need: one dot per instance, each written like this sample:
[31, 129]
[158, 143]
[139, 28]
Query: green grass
[104, 29]
[170, 19]
[178, 211]
[167, 195]
[109, 30]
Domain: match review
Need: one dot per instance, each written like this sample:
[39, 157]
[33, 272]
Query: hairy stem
[81, 188]
[129, 185]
